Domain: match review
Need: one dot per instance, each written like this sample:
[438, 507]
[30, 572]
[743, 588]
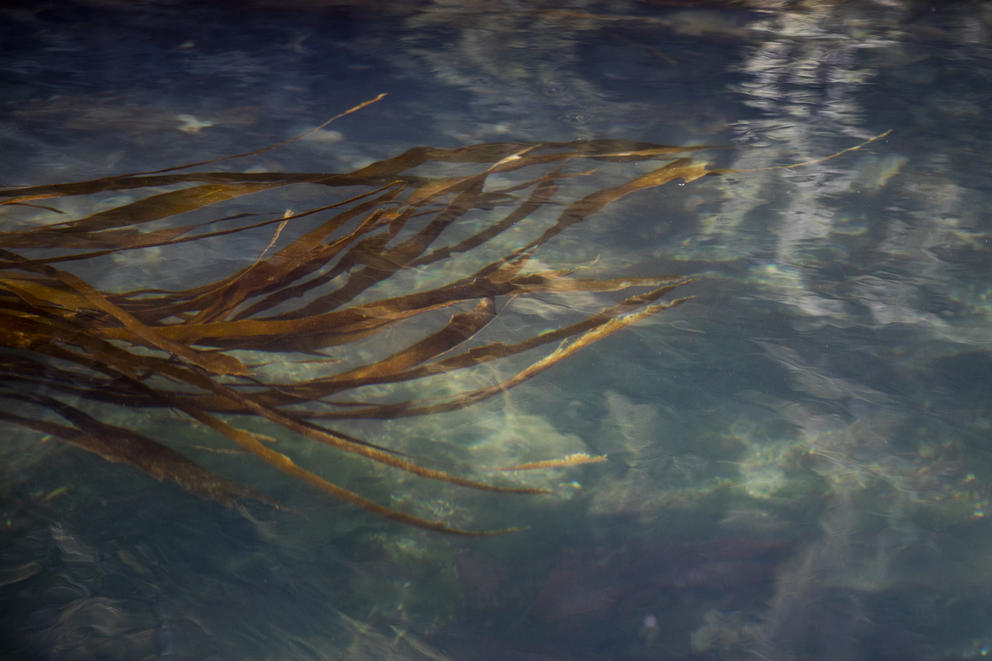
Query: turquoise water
[799, 457]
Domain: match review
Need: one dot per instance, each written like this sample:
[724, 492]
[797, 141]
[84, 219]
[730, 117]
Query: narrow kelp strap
[316, 290]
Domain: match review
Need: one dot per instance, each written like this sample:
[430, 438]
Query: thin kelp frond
[467, 222]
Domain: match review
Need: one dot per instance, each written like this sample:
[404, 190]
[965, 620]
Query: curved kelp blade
[432, 245]
[120, 445]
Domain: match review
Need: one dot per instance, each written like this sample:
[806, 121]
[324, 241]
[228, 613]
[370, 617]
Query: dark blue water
[799, 459]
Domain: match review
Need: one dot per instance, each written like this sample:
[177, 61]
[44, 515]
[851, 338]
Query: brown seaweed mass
[67, 342]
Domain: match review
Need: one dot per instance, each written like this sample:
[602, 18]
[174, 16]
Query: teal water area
[799, 458]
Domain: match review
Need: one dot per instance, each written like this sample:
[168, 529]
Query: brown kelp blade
[430, 245]
[600, 330]
[120, 445]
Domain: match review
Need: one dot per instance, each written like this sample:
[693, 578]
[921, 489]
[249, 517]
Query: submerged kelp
[207, 350]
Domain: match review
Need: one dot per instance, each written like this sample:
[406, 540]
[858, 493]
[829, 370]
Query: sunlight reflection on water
[826, 393]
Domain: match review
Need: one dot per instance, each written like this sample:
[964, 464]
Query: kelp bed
[198, 350]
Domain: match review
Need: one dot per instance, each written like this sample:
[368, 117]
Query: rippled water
[799, 459]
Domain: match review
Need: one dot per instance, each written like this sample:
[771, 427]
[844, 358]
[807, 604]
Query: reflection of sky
[829, 384]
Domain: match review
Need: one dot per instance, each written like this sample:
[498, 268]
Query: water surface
[799, 458]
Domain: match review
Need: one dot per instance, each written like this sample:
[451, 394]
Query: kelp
[66, 342]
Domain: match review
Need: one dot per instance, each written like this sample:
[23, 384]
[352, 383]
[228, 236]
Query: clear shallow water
[799, 460]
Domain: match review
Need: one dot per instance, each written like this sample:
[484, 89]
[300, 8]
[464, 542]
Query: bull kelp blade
[163, 205]
[248, 403]
[119, 445]
[539, 153]
[126, 365]
[331, 285]
[576, 459]
[300, 258]
[458, 329]
[683, 168]
[599, 329]
[215, 363]
[379, 265]
[461, 327]
[250, 443]
[544, 191]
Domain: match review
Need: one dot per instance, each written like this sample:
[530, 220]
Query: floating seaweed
[191, 349]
